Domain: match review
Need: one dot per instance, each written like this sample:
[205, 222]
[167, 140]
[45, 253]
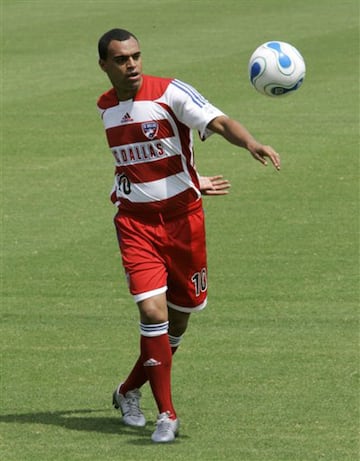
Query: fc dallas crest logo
[150, 129]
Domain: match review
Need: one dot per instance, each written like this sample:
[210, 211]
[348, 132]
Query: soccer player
[149, 123]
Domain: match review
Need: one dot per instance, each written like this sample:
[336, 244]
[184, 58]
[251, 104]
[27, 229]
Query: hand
[261, 152]
[214, 185]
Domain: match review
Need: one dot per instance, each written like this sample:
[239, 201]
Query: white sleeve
[191, 108]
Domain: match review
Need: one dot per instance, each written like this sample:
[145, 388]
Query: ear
[102, 64]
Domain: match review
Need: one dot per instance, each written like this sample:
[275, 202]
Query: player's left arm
[234, 132]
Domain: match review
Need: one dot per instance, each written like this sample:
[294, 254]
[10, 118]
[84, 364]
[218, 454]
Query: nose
[130, 62]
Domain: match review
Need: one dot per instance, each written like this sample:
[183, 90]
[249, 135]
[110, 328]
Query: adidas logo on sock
[126, 118]
[151, 363]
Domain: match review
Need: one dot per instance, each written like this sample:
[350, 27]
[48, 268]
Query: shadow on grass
[83, 420]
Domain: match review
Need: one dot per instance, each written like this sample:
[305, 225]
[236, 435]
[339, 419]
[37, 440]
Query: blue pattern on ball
[284, 59]
[255, 71]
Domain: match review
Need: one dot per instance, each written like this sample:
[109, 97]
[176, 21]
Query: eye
[124, 59]
[121, 59]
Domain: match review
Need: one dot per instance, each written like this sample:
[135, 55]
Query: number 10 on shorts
[199, 280]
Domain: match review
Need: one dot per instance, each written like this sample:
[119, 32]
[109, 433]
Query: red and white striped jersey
[150, 137]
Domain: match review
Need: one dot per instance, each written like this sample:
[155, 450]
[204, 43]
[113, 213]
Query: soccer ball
[276, 68]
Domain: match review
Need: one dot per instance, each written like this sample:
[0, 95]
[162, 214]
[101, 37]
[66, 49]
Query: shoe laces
[163, 422]
[132, 403]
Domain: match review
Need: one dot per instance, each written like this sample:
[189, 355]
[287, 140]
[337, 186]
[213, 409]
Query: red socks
[138, 376]
[154, 364]
[156, 356]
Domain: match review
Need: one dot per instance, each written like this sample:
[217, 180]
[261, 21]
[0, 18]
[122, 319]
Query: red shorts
[166, 257]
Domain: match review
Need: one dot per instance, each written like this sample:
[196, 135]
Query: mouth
[134, 76]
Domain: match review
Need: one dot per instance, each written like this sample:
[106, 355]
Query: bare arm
[237, 134]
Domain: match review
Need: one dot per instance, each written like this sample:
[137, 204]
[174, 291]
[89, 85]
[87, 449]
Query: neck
[129, 92]
[125, 95]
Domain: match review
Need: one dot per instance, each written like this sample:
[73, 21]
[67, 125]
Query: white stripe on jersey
[161, 189]
[196, 97]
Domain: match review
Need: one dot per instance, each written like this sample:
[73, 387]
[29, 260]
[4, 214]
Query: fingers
[275, 160]
[215, 192]
[219, 186]
[265, 152]
[214, 185]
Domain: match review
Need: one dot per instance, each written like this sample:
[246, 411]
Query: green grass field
[270, 370]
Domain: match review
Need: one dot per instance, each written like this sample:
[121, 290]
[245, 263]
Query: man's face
[123, 66]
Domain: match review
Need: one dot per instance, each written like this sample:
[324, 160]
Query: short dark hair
[113, 34]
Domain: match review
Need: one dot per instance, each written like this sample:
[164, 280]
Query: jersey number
[123, 184]
[199, 280]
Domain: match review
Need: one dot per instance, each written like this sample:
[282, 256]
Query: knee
[178, 324]
[153, 310]
[176, 330]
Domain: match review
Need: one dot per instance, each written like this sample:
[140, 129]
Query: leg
[155, 350]
[178, 322]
